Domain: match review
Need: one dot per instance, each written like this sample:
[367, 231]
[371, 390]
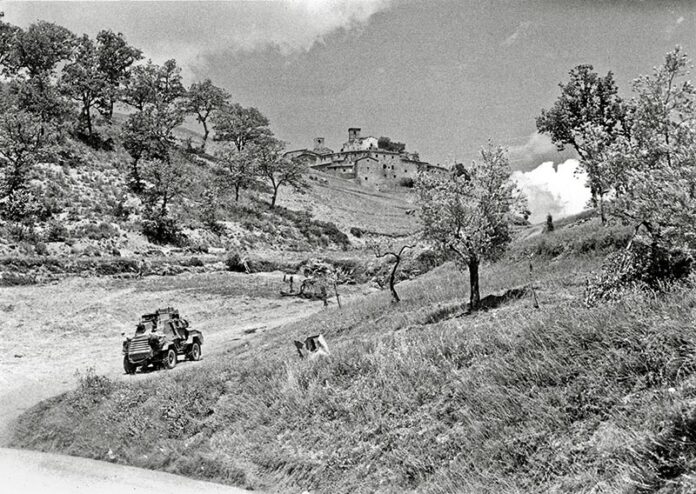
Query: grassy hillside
[90, 212]
[421, 397]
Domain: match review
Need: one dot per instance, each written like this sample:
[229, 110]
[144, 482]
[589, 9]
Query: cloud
[190, 31]
[556, 190]
[537, 149]
[522, 31]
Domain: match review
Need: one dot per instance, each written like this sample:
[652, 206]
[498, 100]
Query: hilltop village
[369, 161]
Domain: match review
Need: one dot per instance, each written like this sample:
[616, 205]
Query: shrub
[163, 230]
[41, 249]
[94, 231]
[356, 232]
[642, 267]
[235, 263]
[56, 232]
[193, 262]
[407, 182]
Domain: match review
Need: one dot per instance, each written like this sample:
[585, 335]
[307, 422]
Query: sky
[443, 76]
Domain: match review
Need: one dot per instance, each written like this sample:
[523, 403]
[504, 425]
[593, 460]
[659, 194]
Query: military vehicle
[160, 338]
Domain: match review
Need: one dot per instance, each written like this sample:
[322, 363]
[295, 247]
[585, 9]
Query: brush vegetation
[421, 397]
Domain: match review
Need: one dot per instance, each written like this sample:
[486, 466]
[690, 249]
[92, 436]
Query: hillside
[90, 212]
[422, 397]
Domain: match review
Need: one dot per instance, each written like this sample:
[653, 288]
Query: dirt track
[33, 472]
[50, 333]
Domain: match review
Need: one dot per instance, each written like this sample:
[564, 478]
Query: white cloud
[556, 190]
[296, 25]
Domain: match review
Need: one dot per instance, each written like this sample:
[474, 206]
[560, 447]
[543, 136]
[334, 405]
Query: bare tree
[389, 250]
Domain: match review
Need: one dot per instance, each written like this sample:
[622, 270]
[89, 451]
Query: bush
[407, 182]
[94, 231]
[235, 263]
[641, 267]
[193, 262]
[163, 230]
[356, 232]
[41, 249]
[56, 232]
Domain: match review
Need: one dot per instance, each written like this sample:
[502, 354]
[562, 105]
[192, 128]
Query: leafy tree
[202, 99]
[84, 82]
[471, 214]
[152, 84]
[234, 123]
[275, 168]
[587, 101]
[657, 190]
[238, 169]
[167, 180]
[8, 34]
[39, 49]
[115, 57]
[388, 145]
[23, 137]
[148, 134]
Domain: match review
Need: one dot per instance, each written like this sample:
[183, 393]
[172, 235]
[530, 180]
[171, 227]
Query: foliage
[388, 145]
[202, 99]
[640, 267]
[114, 61]
[275, 168]
[471, 214]
[656, 191]
[234, 123]
[238, 169]
[588, 104]
[162, 229]
[549, 224]
[83, 81]
[167, 181]
[152, 84]
[39, 49]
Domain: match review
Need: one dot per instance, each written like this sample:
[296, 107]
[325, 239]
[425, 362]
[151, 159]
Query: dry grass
[414, 398]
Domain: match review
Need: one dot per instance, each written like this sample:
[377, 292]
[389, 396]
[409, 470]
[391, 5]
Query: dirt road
[33, 472]
[51, 334]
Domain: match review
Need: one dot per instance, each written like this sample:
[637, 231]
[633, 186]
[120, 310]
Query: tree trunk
[236, 193]
[474, 295]
[602, 214]
[395, 295]
[275, 196]
[205, 135]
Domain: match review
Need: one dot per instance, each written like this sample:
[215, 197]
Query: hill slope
[421, 397]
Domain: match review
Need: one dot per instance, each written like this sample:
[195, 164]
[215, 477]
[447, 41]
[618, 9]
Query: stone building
[362, 160]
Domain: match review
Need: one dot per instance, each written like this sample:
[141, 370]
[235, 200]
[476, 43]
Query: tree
[83, 81]
[38, 50]
[167, 180]
[115, 59]
[549, 224]
[396, 254]
[275, 168]
[471, 214]
[148, 134]
[202, 99]
[239, 125]
[586, 101]
[657, 190]
[388, 145]
[23, 137]
[8, 35]
[152, 84]
[238, 169]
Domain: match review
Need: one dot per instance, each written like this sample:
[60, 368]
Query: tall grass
[417, 397]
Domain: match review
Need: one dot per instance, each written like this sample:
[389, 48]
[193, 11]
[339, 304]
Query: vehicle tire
[170, 359]
[195, 353]
[128, 366]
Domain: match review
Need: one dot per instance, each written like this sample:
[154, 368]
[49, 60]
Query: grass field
[420, 397]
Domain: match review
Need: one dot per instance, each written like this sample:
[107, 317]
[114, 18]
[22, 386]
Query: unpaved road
[50, 333]
[34, 472]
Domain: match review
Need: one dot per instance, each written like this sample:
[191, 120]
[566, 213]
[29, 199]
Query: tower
[353, 134]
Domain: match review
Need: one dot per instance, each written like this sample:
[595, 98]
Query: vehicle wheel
[195, 353]
[170, 360]
[128, 366]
